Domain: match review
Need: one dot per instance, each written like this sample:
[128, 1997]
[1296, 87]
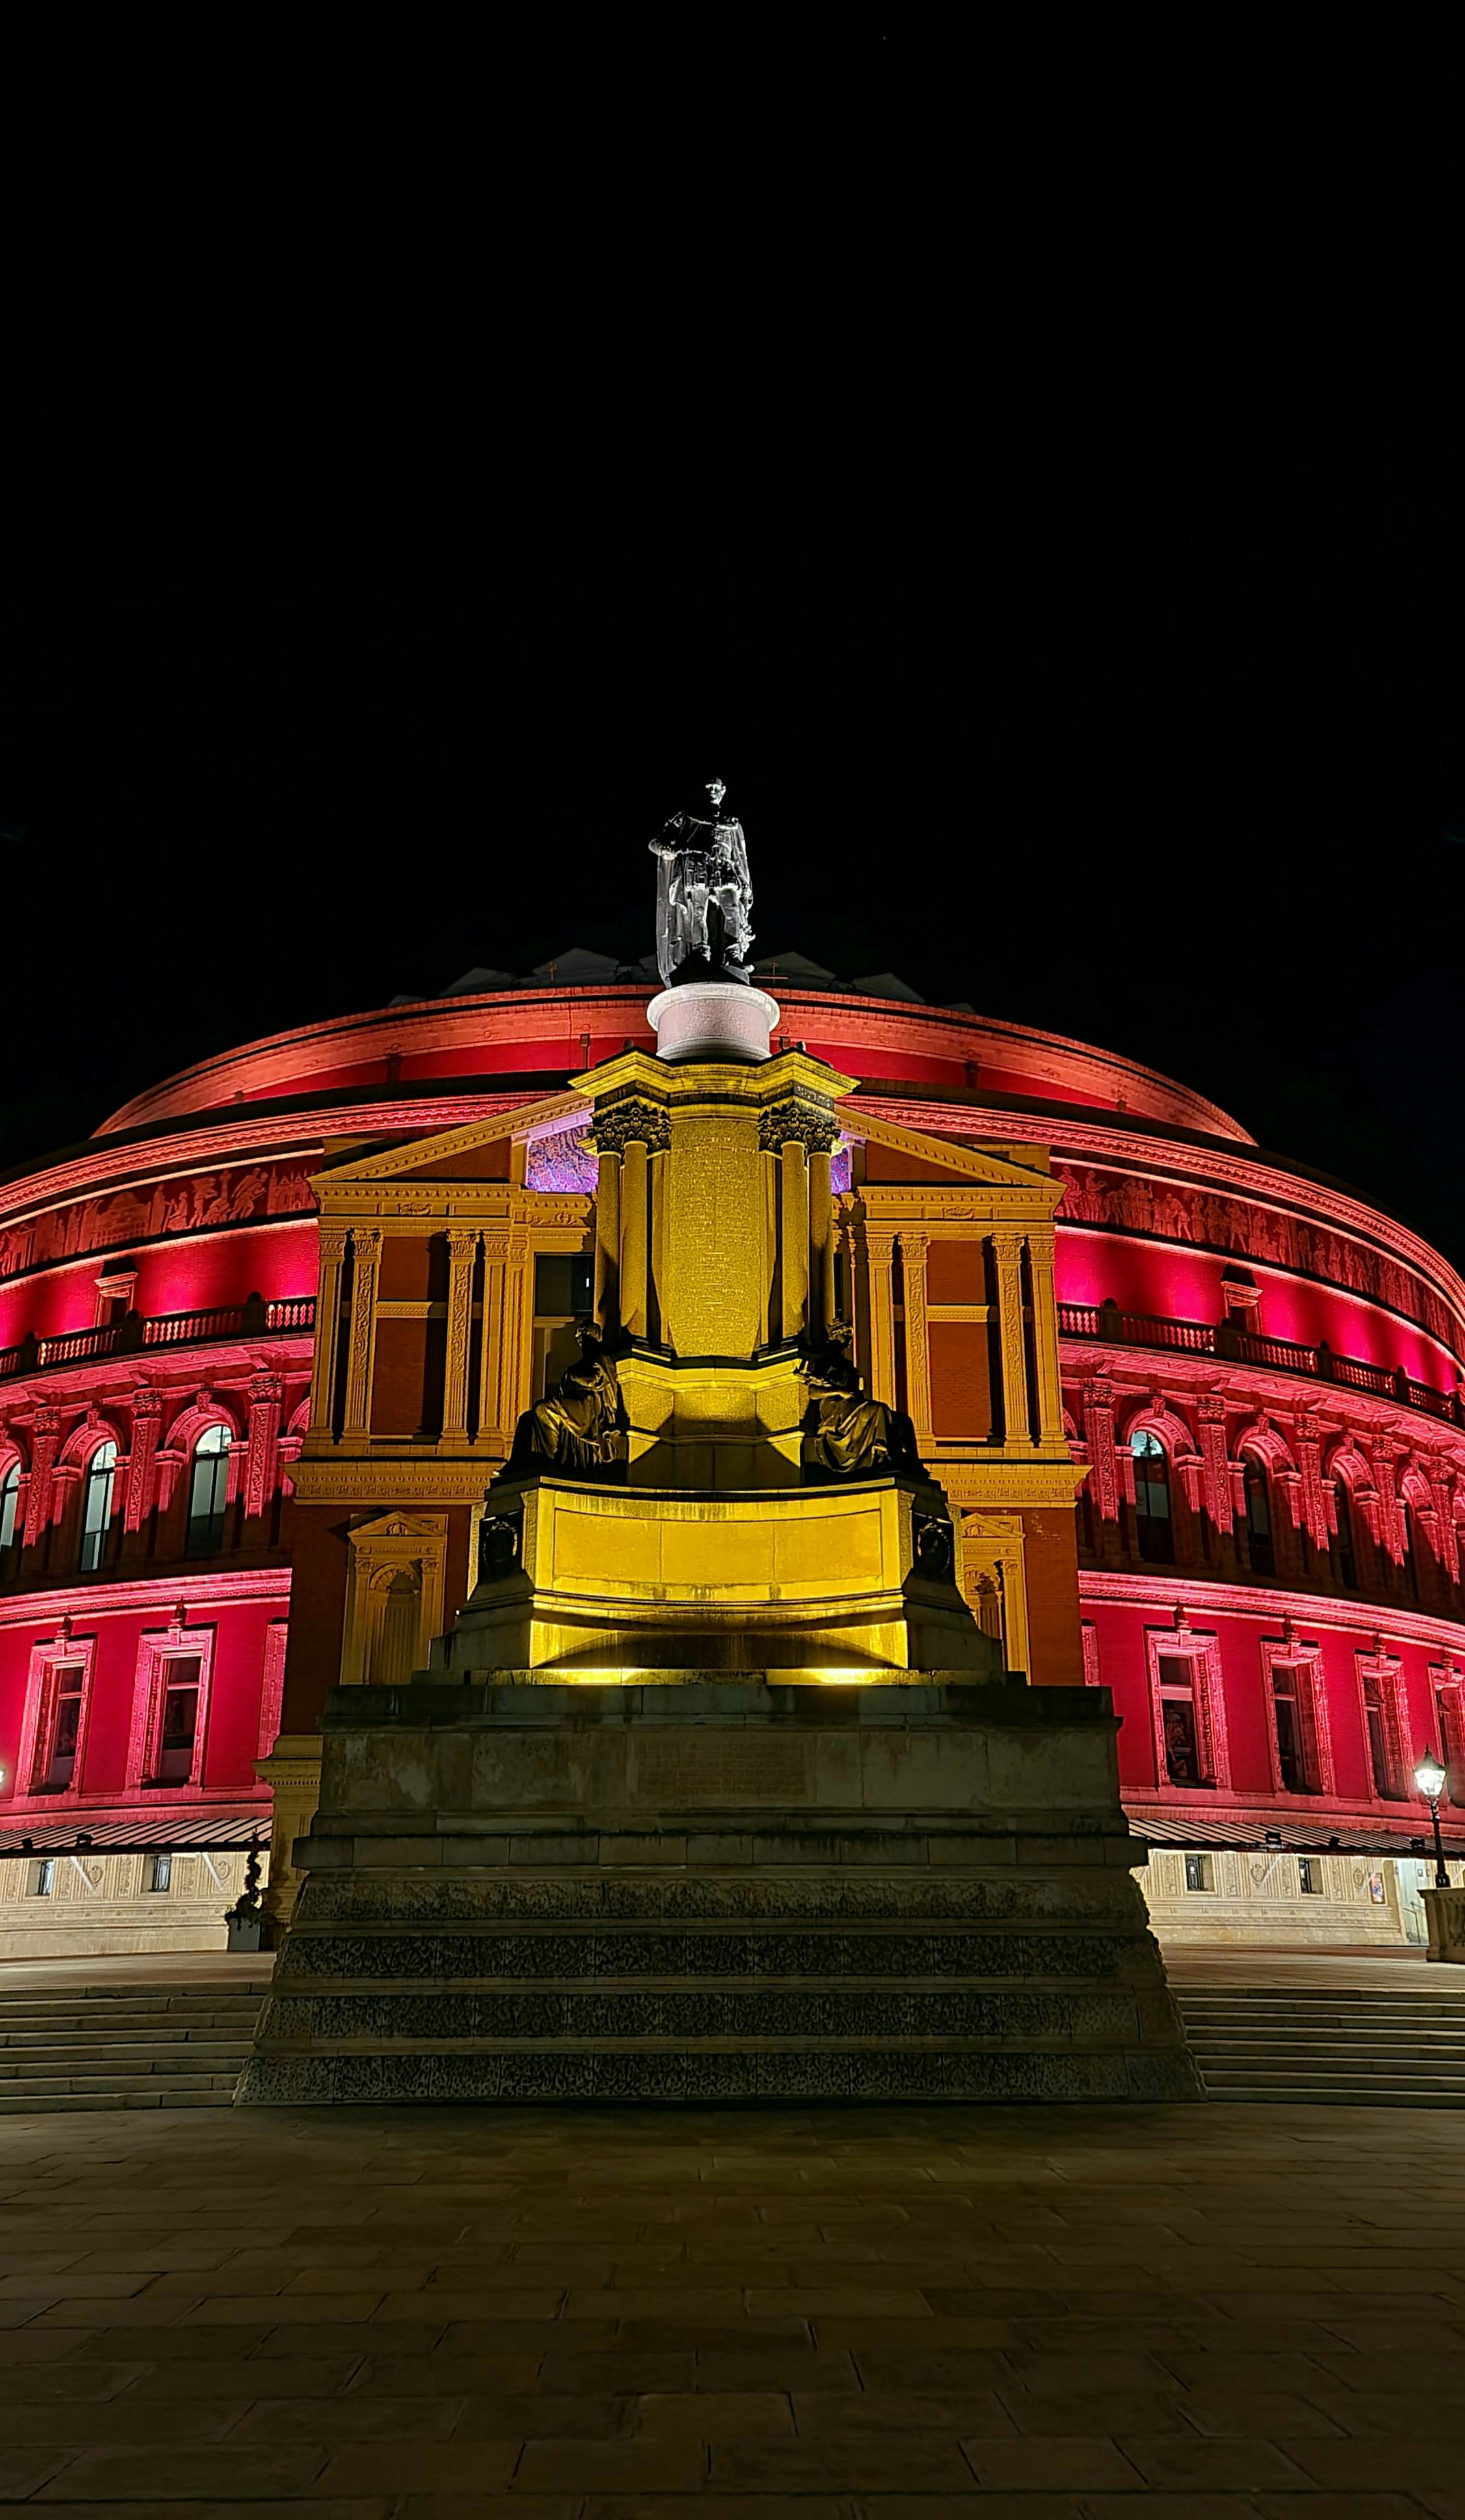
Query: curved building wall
[1281, 1638]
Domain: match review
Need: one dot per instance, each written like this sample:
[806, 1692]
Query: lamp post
[1431, 1778]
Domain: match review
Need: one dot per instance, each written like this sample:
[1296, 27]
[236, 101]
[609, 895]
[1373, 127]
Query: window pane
[180, 1719]
[9, 1498]
[209, 1493]
[97, 1507]
[1152, 1513]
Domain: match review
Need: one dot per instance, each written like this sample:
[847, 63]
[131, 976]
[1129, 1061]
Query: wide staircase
[1380, 2047]
[144, 2042]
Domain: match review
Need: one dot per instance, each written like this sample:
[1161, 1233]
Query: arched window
[10, 1498]
[96, 1505]
[1154, 1526]
[1343, 1556]
[1260, 1553]
[209, 1493]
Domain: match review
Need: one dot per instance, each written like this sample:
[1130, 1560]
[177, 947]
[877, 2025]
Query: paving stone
[255, 2472]
[419, 2467]
[1050, 2463]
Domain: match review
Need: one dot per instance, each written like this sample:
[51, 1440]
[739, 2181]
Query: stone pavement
[1066, 2313]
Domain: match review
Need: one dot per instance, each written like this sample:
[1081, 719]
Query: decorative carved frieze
[261, 1474]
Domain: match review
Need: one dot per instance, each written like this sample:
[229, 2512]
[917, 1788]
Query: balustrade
[283, 1316]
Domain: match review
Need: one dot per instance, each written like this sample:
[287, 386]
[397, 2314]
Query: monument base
[717, 1890]
[713, 1019]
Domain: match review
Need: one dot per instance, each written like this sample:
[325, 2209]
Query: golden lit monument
[714, 1786]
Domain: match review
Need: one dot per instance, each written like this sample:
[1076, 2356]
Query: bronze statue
[576, 1427]
[845, 1434]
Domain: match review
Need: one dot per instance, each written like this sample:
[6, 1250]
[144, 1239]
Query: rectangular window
[43, 1878]
[1386, 1781]
[563, 1298]
[1288, 1684]
[1198, 1872]
[159, 1871]
[58, 1733]
[178, 1726]
[1309, 1876]
[1179, 1721]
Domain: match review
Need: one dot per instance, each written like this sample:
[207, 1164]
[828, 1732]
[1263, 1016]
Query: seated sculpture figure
[576, 1427]
[845, 1434]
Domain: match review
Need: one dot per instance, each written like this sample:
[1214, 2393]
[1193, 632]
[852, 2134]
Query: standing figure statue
[705, 896]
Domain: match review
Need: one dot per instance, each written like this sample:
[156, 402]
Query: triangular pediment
[464, 1153]
[898, 1157]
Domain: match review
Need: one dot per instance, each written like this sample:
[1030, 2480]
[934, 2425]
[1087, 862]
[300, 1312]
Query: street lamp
[1431, 1778]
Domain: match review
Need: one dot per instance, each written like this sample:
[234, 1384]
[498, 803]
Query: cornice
[424, 1481]
[846, 1019]
[80, 1603]
[1206, 1598]
[1120, 1150]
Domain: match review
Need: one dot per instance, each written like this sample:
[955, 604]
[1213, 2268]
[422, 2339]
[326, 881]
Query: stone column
[879, 1255]
[635, 1237]
[327, 1328]
[361, 1347]
[913, 1249]
[1016, 1424]
[820, 1240]
[462, 1252]
[1045, 1337]
[793, 1236]
[609, 1240]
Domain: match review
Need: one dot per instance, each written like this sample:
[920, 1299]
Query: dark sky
[1043, 503]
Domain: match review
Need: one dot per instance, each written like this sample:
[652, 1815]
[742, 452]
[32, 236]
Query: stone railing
[136, 1332]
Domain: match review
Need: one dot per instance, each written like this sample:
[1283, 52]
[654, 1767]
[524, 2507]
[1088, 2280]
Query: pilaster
[1007, 1253]
[362, 1345]
[462, 1252]
[913, 1249]
[332, 1253]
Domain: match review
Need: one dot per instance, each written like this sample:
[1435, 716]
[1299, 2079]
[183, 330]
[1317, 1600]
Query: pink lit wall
[1124, 1668]
[232, 1739]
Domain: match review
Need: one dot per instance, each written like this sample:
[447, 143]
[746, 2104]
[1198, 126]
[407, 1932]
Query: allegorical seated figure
[845, 1434]
[576, 1427]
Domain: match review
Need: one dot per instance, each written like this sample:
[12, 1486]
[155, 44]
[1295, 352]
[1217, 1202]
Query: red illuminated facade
[1261, 1373]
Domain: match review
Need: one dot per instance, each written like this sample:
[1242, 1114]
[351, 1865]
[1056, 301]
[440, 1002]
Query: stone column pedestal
[1444, 1914]
[712, 1889]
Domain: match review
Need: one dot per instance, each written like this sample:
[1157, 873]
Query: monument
[713, 1787]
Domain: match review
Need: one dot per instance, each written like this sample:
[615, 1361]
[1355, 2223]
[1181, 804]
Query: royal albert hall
[1261, 1376]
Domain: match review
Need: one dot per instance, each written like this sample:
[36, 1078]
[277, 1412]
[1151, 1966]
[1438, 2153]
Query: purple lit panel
[562, 1161]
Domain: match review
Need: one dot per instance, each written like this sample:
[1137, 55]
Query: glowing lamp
[1431, 1778]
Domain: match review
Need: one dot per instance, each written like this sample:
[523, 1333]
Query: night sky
[1044, 509]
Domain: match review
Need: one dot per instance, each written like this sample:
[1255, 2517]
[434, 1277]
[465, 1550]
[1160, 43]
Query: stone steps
[126, 2047]
[1348, 2045]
